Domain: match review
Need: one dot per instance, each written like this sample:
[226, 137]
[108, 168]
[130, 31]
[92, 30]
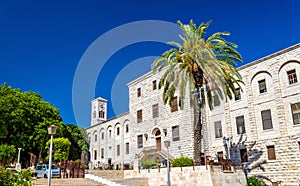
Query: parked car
[41, 171]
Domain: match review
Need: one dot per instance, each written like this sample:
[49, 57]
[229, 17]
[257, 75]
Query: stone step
[133, 181]
[67, 182]
[118, 182]
[102, 180]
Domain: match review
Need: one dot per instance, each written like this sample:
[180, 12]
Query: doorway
[158, 143]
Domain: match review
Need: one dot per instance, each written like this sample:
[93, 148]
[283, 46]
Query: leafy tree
[24, 118]
[199, 62]
[7, 153]
[76, 136]
[61, 148]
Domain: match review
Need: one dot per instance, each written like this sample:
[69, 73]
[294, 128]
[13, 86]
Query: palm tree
[199, 63]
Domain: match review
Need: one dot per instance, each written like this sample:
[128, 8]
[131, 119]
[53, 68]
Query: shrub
[254, 181]
[10, 178]
[182, 162]
[148, 163]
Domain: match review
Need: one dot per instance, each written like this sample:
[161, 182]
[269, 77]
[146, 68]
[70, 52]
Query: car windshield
[52, 167]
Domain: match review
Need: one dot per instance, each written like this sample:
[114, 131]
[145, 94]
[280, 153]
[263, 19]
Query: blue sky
[43, 42]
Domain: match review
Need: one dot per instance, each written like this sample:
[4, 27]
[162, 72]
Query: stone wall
[190, 176]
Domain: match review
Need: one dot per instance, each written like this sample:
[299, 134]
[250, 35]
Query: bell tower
[98, 111]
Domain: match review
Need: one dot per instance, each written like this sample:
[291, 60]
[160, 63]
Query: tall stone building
[259, 128]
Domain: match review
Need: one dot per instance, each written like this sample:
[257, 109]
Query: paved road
[66, 182]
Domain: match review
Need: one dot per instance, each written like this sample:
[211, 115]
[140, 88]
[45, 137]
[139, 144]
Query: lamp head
[167, 143]
[52, 130]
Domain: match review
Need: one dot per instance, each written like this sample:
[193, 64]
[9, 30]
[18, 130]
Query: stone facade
[115, 141]
[273, 151]
[260, 128]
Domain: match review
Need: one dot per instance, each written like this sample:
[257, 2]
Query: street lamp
[51, 131]
[167, 144]
[137, 156]
[18, 166]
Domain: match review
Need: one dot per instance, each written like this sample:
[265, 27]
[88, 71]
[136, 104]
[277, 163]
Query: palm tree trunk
[198, 79]
[197, 132]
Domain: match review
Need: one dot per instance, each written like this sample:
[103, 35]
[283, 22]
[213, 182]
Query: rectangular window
[139, 116]
[296, 113]
[102, 135]
[175, 133]
[174, 105]
[292, 76]
[266, 119]
[95, 154]
[155, 110]
[102, 153]
[262, 86]
[240, 125]
[118, 131]
[237, 94]
[218, 129]
[140, 141]
[127, 148]
[216, 101]
[271, 152]
[138, 92]
[220, 156]
[96, 138]
[89, 140]
[243, 155]
[118, 150]
[154, 85]
[110, 133]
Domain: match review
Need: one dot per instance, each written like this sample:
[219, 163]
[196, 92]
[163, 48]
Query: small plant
[254, 181]
[182, 162]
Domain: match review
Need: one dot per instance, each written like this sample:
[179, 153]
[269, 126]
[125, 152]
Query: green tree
[24, 118]
[77, 137]
[61, 147]
[199, 62]
[7, 153]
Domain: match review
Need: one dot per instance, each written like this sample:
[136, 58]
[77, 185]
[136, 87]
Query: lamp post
[51, 131]
[167, 144]
[18, 166]
[137, 156]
